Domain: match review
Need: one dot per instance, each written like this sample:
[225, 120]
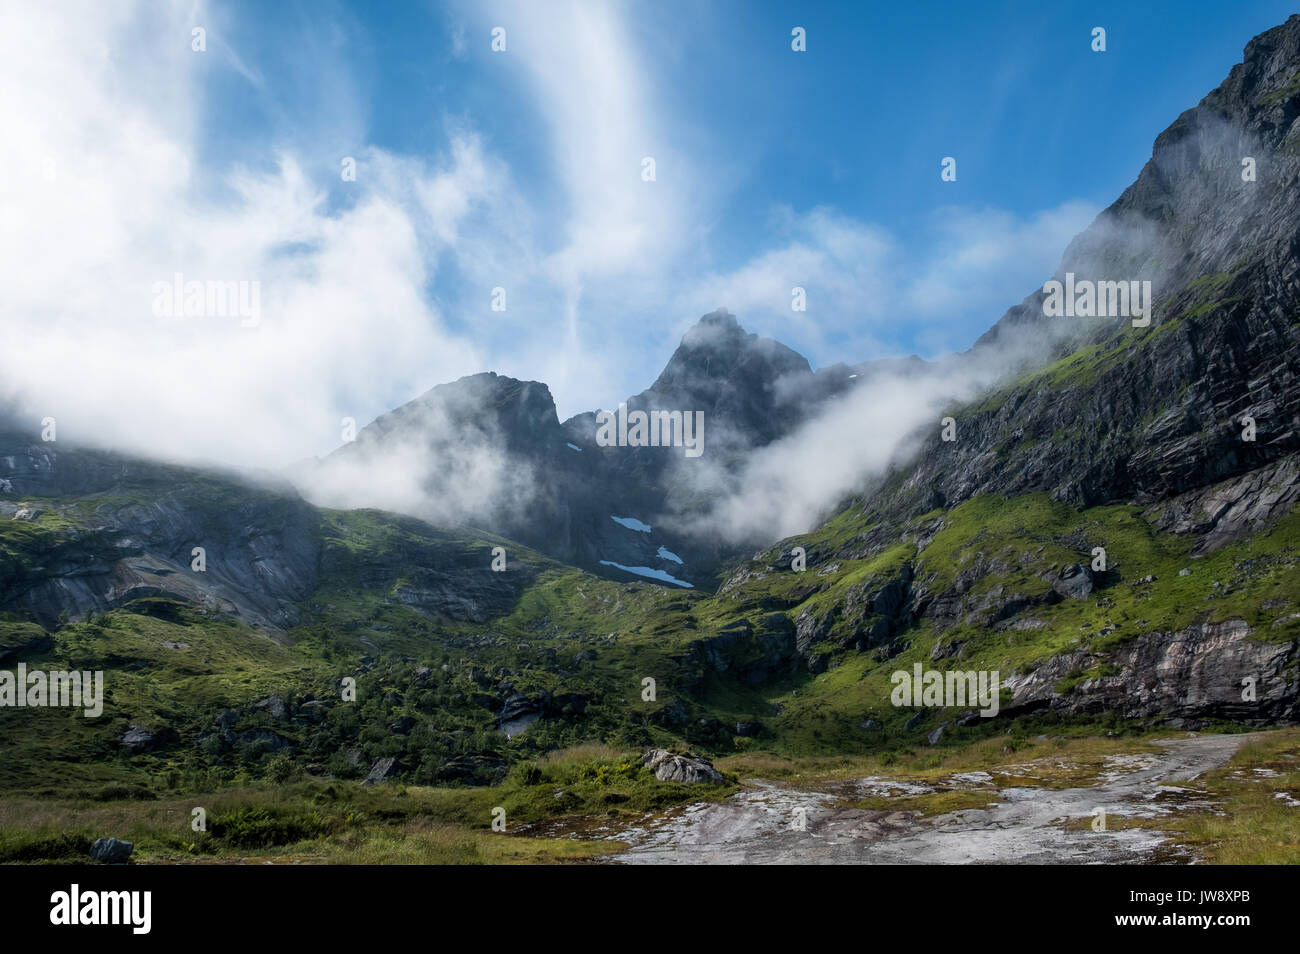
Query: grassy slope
[568, 634]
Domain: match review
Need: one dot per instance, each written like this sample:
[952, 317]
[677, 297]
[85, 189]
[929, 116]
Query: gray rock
[1075, 582]
[111, 851]
[687, 769]
[379, 771]
[934, 737]
[137, 739]
[1191, 673]
[273, 706]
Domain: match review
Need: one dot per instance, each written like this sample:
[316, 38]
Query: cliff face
[1144, 414]
[90, 530]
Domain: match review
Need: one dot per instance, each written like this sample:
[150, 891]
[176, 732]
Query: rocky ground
[1022, 823]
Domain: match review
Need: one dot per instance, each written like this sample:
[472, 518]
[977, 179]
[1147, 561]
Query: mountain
[1107, 532]
[1171, 447]
[489, 451]
[1154, 414]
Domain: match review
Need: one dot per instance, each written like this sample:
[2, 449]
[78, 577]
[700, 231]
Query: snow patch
[666, 554]
[648, 572]
[632, 523]
[573, 446]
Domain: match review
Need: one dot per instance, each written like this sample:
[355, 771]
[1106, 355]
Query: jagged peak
[717, 343]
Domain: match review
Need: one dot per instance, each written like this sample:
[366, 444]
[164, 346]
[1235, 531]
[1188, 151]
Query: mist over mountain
[1096, 511]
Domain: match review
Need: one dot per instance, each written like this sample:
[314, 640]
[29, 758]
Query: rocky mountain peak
[717, 347]
[522, 413]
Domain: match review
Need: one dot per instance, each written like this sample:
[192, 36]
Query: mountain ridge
[979, 553]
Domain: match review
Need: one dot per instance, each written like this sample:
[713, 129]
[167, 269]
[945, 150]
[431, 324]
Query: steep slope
[1108, 531]
[1151, 413]
[84, 531]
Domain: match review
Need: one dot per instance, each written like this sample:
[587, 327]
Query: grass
[345, 822]
[1052, 761]
[1252, 826]
[1247, 823]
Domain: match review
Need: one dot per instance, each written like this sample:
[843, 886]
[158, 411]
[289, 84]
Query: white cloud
[985, 257]
[346, 325]
[373, 299]
[861, 284]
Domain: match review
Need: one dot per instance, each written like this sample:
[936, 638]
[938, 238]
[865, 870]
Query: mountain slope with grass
[1100, 533]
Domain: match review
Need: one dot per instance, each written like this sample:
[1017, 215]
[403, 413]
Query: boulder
[1075, 582]
[379, 771]
[273, 706]
[687, 769]
[137, 739]
[111, 851]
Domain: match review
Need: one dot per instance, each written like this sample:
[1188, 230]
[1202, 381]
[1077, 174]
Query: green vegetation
[259, 731]
[312, 820]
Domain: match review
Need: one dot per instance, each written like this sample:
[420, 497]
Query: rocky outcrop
[260, 542]
[1206, 671]
[1074, 582]
[1233, 509]
[685, 769]
[749, 652]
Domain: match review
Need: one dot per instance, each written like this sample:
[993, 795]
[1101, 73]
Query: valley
[476, 612]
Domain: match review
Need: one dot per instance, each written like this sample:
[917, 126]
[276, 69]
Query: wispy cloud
[374, 290]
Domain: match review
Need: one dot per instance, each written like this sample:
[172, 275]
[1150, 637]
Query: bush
[525, 773]
[280, 769]
[258, 828]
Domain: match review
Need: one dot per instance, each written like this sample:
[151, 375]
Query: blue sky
[521, 169]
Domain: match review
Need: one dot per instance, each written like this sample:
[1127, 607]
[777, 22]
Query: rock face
[110, 851]
[1148, 414]
[549, 484]
[1232, 509]
[260, 542]
[748, 652]
[1201, 672]
[687, 769]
